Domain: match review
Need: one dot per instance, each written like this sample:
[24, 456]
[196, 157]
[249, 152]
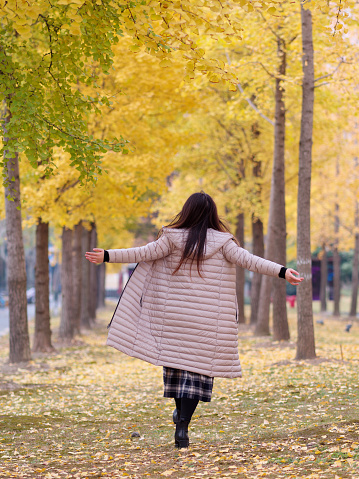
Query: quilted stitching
[186, 321]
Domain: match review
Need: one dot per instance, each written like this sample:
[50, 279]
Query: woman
[179, 308]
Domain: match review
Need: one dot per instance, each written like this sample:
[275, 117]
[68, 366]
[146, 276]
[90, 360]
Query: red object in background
[291, 300]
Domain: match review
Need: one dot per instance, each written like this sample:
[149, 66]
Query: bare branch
[248, 100]
[322, 84]
[332, 73]
[250, 103]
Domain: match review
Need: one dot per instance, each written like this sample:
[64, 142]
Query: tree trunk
[323, 280]
[305, 342]
[336, 257]
[262, 325]
[280, 320]
[336, 281]
[240, 271]
[276, 236]
[355, 272]
[42, 336]
[93, 276]
[258, 250]
[101, 282]
[355, 277]
[77, 275]
[336, 265]
[19, 332]
[85, 285]
[66, 330]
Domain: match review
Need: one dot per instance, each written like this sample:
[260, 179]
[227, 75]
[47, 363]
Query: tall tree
[101, 282]
[66, 330]
[305, 341]
[280, 320]
[240, 271]
[85, 285]
[93, 287]
[42, 335]
[276, 237]
[336, 264]
[355, 273]
[257, 230]
[77, 275]
[258, 250]
[323, 279]
[262, 325]
[19, 333]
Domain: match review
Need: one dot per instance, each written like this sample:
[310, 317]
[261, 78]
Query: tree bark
[262, 325]
[42, 336]
[336, 257]
[77, 276]
[280, 319]
[336, 265]
[85, 285]
[323, 279]
[66, 330]
[336, 281]
[276, 236]
[101, 282]
[258, 250]
[355, 272]
[240, 271]
[93, 276]
[305, 342]
[18, 325]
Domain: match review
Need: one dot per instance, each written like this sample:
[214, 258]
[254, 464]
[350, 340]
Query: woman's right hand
[96, 257]
[294, 280]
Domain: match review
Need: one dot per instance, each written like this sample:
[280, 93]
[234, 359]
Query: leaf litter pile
[88, 411]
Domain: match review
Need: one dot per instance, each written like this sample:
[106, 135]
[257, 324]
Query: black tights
[187, 407]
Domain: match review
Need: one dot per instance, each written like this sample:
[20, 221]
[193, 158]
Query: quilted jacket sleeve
[235, 254]
[151, 251]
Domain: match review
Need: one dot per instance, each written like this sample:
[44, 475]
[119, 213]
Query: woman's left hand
[96, 257]
[294, 280]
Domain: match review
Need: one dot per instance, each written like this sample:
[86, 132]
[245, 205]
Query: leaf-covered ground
[72, 414]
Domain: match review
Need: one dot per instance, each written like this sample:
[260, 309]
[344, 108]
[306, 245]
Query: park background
[113, 114]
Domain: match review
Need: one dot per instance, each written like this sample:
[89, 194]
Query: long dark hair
[197, 215]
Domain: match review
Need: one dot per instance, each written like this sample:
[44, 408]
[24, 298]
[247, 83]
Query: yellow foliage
[147, 110]
[222, 160]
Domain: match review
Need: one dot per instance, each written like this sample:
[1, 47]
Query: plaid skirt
[185, 384]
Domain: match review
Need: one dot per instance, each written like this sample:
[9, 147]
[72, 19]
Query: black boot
[176, 415]
[181, 434]
[187, 407]
[177, 412]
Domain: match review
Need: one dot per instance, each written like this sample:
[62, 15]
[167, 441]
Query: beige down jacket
[183, 320]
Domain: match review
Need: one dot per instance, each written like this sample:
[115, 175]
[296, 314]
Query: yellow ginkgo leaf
[165, 63]
[135, 48]
[214, 77]
[24, 31]
[169, 472]
[75, 29]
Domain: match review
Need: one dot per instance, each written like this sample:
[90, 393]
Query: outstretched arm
[151, 251]
[235, 254]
